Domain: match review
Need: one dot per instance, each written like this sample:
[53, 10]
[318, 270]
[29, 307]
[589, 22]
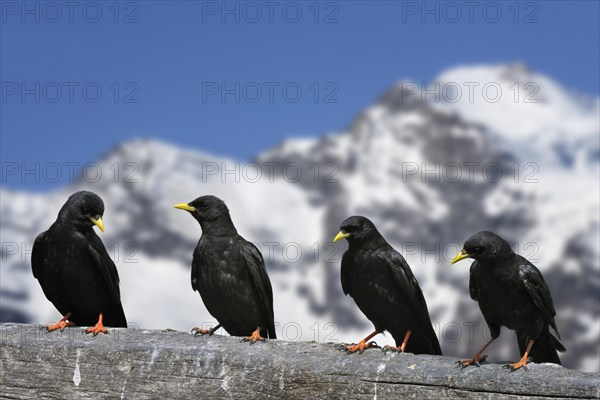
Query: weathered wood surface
[139, 364]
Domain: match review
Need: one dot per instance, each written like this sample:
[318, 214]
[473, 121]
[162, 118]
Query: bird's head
[83, 209]
[484, 246]
[206, 209]
[356, 229]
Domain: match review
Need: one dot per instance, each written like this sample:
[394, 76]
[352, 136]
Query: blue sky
[169, 56]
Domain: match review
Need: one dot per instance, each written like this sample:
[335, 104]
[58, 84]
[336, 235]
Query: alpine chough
[385, 290]
[76, 273]
[229, 273]
[511, 292]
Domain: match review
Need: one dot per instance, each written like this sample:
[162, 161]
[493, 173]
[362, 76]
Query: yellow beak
[460, 256]
[98, 222]
[185, 207]
[340, 235]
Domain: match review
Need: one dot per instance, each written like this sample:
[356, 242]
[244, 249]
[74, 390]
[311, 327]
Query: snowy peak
[514, 79]
[528, 110]
[525, 113]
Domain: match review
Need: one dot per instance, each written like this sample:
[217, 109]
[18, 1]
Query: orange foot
[255, 337]
[98, 328]
[62, 324]
[523, 361]
[477, 358]
[197, 331]
[521, 364]
[400, 349]
[360, 347]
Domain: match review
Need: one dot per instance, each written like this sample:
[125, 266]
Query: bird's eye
[204, 205]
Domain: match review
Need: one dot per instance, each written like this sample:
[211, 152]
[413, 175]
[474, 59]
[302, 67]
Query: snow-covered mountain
[538, 118]
[429, 171]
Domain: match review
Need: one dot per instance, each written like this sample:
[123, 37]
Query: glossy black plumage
[511, 292]
[229, 273]
[384, 287]
[71, 264]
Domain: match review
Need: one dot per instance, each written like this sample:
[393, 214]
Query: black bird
[229, 273]
[511, 292]
[385, 290]
[76, 273]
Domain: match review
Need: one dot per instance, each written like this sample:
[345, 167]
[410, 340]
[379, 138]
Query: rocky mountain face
[428, 170]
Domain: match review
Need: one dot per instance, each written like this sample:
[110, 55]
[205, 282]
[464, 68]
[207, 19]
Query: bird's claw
[60, 325]
[393, 349]
[197, 331]
[476, 361]
[360, 347]
[341, 347]
[254, 337]
[95, 330]
[465, 363]
[516, 366]
[253, 340]
[98, 328]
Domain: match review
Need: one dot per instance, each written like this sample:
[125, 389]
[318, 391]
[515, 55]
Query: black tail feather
[421, 341]
[115, 317]
[544, 349]
[558, 345]
[271, 331]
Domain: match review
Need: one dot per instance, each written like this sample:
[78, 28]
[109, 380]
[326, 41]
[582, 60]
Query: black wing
[109, 272]
[107, 268]
[406, 280]
[345, 274]
[473, 271]
[260, 282]
[539, 292]
[37, 259]
[195, 264]
[409, 285]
